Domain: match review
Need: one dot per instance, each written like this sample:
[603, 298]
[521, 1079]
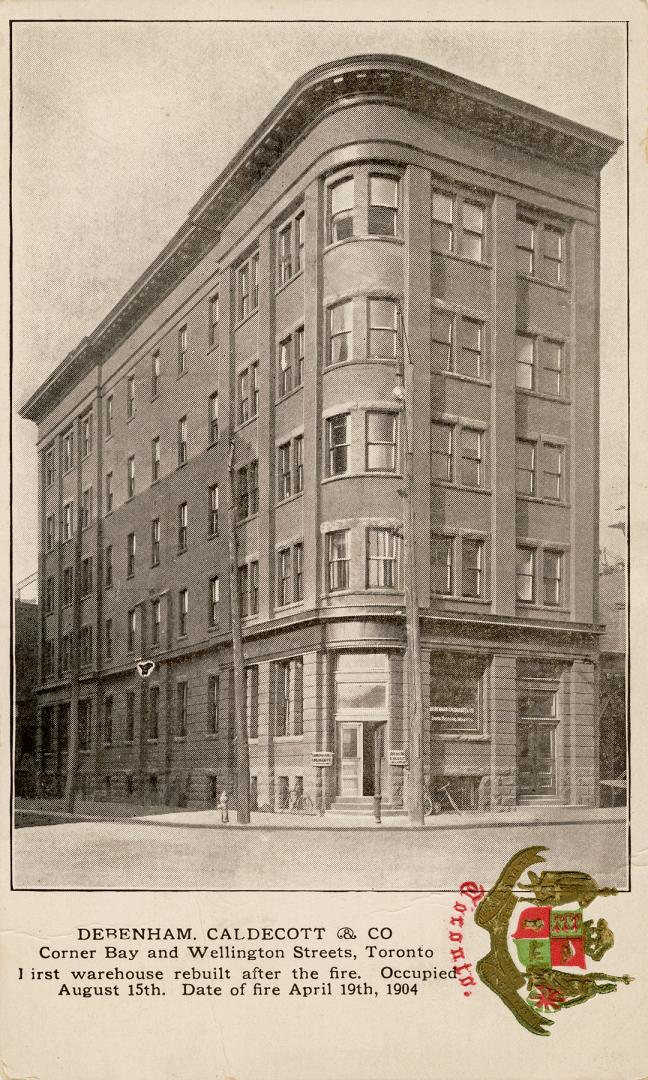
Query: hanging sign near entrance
[398, 757]
[322, 758]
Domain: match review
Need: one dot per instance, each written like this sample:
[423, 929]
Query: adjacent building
[385, 213]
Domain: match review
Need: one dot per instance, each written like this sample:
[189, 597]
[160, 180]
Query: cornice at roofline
[411, 84]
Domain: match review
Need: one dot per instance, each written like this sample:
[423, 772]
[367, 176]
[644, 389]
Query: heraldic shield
[552, 940]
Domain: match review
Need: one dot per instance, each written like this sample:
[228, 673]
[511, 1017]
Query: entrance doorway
[536, 759]
[356, 759]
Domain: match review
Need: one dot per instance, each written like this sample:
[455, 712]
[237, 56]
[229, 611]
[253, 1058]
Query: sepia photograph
[319, 453]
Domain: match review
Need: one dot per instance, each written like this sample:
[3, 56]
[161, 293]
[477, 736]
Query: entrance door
[536, 759]
[349, 759]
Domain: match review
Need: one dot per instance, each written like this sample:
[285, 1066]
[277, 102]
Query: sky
[120, 127]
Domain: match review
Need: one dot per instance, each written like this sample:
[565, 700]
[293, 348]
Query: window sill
[543, 396]
[290, 498]
[543, 500]
[289, 281]
[179, 738]
[362, 475]
[182, 551]
[448, 485]
[462, 736]
[181, 374]
[541, 281]
[212, 536]
[533, 605]
[152, 742]
[213, 629]
[371, 237]
[182, 464]
[287, 738]
[108, 437]
[462, 378]
[289, 393]
[154, 483]
[213, 443]
[245, 423]
[366, 360]
[246, 318]
[245, 520]
[460, 599]
[211, 735]
[154, 397]
[129, 419]
[281, 608]
[456, 257]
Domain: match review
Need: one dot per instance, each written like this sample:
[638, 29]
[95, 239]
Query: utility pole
[415, 696]
[242, 748]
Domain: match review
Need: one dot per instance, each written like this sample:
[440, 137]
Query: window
[551, 365]
[130, 397]
[472, 553]
[289, 708]
[109, 566]
[108, 639]
[525, 575]
[285, 247]
[154, 713]
[337, 445]
[182, 697]
[552, 469]
[86, 508]
[68, 586]
[247, 287]
[68, 451]
[66, 653]
[49, 596]
[131, 544]
[337, 557]
[132, 629]
[540, 250]
[298, 464]
[86, 435]
[383, 329]
[155, 542]
[254, 588]
[212, 512]
[183, 612]
[340, 211]
[129, 734]
[381, 441]
[182, 440]
[183, 522]
[213, 695]
[68, 521]
[252, 700]
[213, 320]
[182, 350]
[456, 699]
[525, 467]
[243, 590]
[285, 367]
[130, 476]
[552, 577]
[50, 533]
[248, 490]
[458, 226]
[109, 415]
[214, 598]
[298, 342]
[108, 721]
[155, 459]
[248, 393]
[48, 659]
[442, 555]
[109, 492]
[383, 558]
[537, 703]
[441, 444]
[86, 576]
[471, 457]
[49, 466]
[383, 206]
[155, 374]
[299, 242]
[340, 328]
[457, 344]
[525, 362]
[86, 646]
[156, 620]
[212, 419]
[284, 577]
[298, 571]
[85, 724]
[285, 472]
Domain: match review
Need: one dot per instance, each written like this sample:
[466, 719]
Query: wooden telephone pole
[240, 723]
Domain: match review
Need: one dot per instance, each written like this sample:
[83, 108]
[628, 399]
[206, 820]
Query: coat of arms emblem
[552, 938]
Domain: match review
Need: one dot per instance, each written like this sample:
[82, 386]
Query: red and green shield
[546, 937]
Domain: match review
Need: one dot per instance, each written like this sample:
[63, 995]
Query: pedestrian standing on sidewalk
[222, 806]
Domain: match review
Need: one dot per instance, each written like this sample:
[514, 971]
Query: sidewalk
[49, 812]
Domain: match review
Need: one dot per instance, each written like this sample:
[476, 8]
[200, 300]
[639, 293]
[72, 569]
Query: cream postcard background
[439, 1035]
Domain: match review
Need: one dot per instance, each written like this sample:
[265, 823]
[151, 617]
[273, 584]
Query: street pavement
[163, 853]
